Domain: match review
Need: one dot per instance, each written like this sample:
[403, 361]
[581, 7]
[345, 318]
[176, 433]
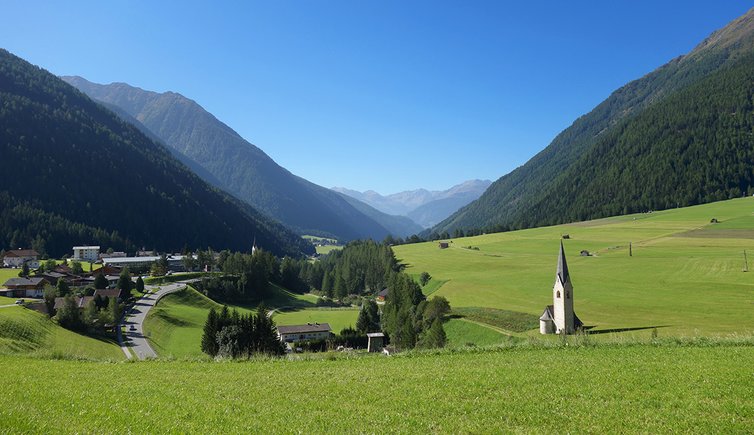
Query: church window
[568, 295]
[557, 294]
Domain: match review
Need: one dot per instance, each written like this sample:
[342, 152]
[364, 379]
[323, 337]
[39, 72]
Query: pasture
[667, 386]
[685, 277]
[24, 331]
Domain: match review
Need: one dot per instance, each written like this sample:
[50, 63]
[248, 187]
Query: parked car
[19, 301]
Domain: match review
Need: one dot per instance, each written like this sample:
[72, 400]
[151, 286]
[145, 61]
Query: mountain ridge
[243, 169]
[97, 179]
[509, 199]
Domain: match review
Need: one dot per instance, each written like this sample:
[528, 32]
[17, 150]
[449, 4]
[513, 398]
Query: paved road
[135, 319]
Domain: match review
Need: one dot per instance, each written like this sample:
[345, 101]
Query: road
[134, 320]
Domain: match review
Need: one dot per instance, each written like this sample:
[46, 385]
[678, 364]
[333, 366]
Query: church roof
[562, 266]
[548, 314]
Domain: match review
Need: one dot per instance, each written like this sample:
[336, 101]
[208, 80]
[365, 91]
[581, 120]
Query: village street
[134, 320]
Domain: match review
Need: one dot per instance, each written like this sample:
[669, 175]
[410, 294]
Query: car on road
[132, 328]
[19, 301]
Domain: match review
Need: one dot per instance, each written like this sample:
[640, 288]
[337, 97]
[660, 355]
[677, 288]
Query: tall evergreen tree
[209, 335]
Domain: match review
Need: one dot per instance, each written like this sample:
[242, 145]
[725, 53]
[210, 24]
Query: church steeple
[562, 271]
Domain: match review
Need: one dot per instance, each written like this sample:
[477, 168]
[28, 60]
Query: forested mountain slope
[74, 173]
[575, 168]
[242, 169]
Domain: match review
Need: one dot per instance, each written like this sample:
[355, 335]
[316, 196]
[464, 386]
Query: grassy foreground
[607, 388]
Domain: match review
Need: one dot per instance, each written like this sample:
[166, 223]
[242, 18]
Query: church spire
[562, 266]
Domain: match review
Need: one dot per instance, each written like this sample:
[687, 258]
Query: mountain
[74, 173]
[423, 206]
[399, 226]
[681, 135]
[241, 168]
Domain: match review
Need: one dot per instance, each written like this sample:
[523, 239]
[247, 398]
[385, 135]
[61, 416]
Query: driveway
[134, 319]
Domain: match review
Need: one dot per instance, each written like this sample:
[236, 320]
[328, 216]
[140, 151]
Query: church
[559, 317]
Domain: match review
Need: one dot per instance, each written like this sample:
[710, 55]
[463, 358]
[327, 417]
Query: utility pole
[630, 250]
[746, 262]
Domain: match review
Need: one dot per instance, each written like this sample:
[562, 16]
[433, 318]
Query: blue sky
[382, 95]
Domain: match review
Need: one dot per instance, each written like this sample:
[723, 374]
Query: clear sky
[383, 95]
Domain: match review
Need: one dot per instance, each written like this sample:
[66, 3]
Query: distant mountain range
[679, 136]
[422, 206]
[221, 156]
[75, 173]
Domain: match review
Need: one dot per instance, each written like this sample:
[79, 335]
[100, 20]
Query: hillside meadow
[685, 277]
[694, 387]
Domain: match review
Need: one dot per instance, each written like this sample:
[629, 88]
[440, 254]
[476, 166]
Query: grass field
[6, 274]
[461, 332]
[23, 331]
[337, 318]
[685, 276]
[600, 389]
[174, 326]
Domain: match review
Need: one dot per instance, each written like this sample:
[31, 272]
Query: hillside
[75, 173]
[684, 277]
[24, 331]
[399, 226]
[675, 137]
[422, 206]
[240, 167]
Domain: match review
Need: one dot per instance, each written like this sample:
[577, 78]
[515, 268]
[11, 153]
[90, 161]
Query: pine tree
[100, 281]
[139, 285]
[435, 337]
[62, 288]
[124, 282]
[209, 336]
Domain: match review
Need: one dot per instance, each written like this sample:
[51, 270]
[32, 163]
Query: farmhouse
[18, 257]
[81, 302]
[382, 295]
[108, 293]
[310, 331]
[26, 287]
[86, 253]
[559, 317]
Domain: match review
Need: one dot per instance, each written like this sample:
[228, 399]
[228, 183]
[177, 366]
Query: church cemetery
[683, 277]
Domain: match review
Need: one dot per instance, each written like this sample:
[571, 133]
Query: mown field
[685, 276]
[175, 325]
[648, 388]
[23, 331]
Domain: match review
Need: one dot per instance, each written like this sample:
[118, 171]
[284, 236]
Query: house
[108, 293]
[26, 287]
[310, 331]
[86, 253]
[52, 277]
[443, 245]
[559, 318]
[381, 296]
[81, 302]
[17, 258]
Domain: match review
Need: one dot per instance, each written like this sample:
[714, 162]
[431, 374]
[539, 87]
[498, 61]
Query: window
[557, 294]
[568, 295]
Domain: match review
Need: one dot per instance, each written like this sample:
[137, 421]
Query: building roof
[562, 271]
[301, 329]
[22, 253]
[548, 314]
[81, 302]
[86, 247]
[383, 293]
[107, 293]
[375, 334]
[18, 282]
[55, 275]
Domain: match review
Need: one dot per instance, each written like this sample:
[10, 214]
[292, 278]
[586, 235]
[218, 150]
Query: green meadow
[175, 325]
[662, 387]
[24, 331]
[685, 277]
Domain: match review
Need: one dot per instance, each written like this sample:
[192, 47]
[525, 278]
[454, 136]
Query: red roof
[22, 253]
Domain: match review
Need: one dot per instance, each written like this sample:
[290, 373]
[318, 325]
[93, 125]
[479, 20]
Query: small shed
[566, 236]
[376, 341]
[714, 221]
[585, 253]
[443, 245]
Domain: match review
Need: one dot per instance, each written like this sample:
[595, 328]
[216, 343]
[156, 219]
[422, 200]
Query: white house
[86, 253]
[559, 317]
[310, 331]
[17, 258]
